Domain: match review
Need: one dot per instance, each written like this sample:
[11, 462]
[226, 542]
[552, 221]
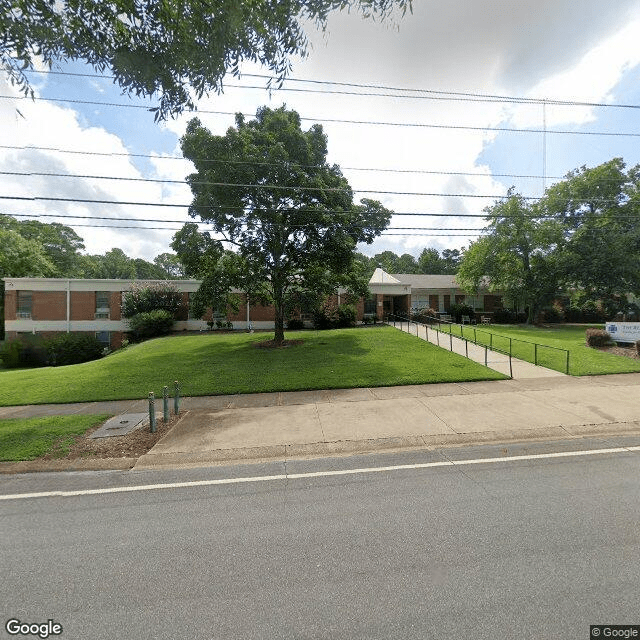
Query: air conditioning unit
[24, 314]
[102, 315]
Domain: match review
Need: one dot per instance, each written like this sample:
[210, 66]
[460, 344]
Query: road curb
[394, 444]
[79, 464]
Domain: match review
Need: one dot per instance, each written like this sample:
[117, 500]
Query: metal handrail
[491, 334]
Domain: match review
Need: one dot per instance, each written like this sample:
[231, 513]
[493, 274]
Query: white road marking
[313, 474]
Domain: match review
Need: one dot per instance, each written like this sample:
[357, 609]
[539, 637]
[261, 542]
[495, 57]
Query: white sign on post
[623, 331]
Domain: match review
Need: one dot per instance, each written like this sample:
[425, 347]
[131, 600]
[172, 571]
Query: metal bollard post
[535, 354]
[567, 368]
[176, 399]
[450, 343]
[466, 348]
[165, 404]
[152, 412]
[485, 355]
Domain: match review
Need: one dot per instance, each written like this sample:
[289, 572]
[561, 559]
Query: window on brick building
[25, 302]
[104, 338]
[103, 304]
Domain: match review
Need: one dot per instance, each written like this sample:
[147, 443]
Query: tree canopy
[177, 49]
[516, 256]
[266, 188]
[582, 236]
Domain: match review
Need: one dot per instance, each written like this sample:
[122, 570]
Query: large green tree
[175, 48]
[266, 188]
[60, 243]
[517, 256]
[599, 208]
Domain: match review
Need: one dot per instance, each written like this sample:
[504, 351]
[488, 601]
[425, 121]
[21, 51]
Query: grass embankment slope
[583, 360]
[212, 364]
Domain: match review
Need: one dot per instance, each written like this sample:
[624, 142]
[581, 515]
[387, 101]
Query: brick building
[47, 306]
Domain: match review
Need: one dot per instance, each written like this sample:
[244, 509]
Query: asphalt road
[525, 548]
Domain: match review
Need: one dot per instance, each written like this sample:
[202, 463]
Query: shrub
[598, 338]
[423, 315]
[295, 324]
[324, 318]
[151, 297]
[28, 351]
[638, 347]
[149, 325]
[346, 316]
[73, 348]
[459, 310]
[10, 354]
[553, 314]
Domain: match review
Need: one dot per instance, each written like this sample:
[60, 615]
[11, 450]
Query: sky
[432, 141]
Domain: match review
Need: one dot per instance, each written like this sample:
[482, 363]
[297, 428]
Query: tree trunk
[278, 304]
[279, 333]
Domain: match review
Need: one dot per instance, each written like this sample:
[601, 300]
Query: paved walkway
[223, 429]
[493, 359]
[343, 422]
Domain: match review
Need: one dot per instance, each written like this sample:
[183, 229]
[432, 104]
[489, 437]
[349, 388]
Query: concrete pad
[351, 395]
[380, 419]
[551, 383]
[241, 428]
[498, 411]
[255, 400]
[597, 404]
[121, 425]
[491, 386]
[304, 397]
[443, 389]
[389, 393]
[616, 379]
[213, 403]
[351, 447]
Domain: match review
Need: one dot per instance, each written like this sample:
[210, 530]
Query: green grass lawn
[30, 438]
[211, 364]
[583, 360]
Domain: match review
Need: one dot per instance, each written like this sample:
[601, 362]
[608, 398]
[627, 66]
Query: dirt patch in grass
[628, 352]
[272, 344]
[131, 445]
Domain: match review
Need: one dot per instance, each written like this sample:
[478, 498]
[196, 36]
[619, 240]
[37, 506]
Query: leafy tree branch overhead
[177, 49]
[290, 216]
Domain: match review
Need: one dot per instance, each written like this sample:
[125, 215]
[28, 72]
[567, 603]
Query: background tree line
[430, 262]
[33, 249]
[581, 240]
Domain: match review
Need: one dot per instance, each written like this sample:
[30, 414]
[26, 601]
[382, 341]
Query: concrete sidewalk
[260, 427]
[492, 359]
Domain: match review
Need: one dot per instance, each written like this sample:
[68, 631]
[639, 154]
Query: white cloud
[50, 126]
[592, 79]
[547, 48]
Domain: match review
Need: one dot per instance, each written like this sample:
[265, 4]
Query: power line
[476, 232]
[451, 127]
[250, 163]
[223, 184]
[427, 94]
[96, 177]
[140, 220]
